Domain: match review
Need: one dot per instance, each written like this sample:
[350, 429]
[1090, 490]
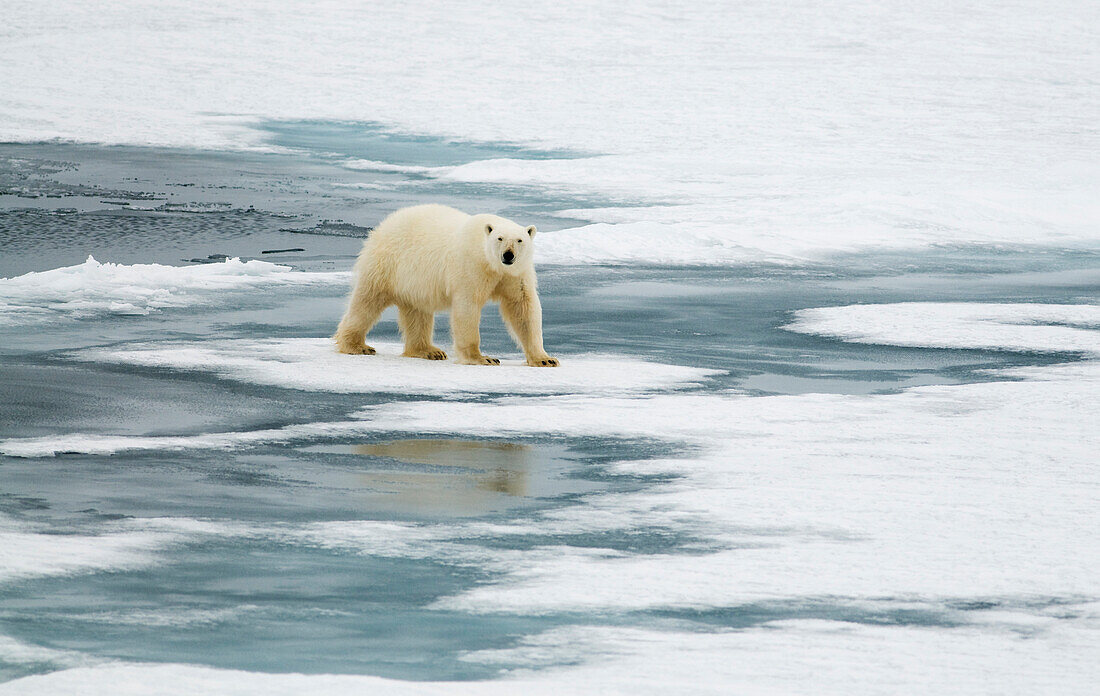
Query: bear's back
[408, 254]
[414, 235]
[424, 224]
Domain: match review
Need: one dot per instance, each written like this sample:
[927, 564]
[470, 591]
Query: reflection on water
[496, 467]
[457, 477]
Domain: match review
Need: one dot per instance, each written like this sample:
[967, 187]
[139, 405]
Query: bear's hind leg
[363, 311]
[417, 327]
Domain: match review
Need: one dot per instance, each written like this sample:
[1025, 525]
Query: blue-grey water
[259, 602]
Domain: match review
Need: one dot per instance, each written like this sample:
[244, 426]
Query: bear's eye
[500, 239]
[519, 241]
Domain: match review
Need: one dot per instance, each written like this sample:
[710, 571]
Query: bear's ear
[531, 231]
[488, 229]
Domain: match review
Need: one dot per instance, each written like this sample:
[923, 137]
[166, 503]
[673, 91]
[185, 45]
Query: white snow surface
[27, 550]
[732, 132]
[312, 364]
[93, 443]
[16, 652]
[95, 289]
[1042, 328]
[788, 657]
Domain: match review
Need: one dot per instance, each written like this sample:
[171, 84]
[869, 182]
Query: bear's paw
[356, 350]
[480, 360]
[432, 353]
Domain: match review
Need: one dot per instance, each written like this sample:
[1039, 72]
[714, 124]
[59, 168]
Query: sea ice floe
[29, 550]
[705, 228]
[174, 617]
[28, 554]
[90, 443]
[376, 166]
[1043, 328]
[834, 657]
[39, 658]
[312, 364]
[94, 289]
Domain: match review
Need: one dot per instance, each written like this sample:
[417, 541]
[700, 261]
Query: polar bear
[428, 258]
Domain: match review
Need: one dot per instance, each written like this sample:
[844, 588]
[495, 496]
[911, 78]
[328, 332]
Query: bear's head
[508, 246]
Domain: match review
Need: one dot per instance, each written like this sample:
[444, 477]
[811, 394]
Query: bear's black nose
[509, 257]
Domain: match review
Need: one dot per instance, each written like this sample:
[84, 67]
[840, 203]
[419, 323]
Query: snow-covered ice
[780, 657]
[312, 364]
[1042, 328]
[730, 132]
[94, 289]
[90, 443]
[29, 550]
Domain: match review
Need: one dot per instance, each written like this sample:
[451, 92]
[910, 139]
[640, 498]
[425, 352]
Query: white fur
[430, 258]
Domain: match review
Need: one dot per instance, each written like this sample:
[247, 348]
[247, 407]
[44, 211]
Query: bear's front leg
[466, 330]
[522, 314]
